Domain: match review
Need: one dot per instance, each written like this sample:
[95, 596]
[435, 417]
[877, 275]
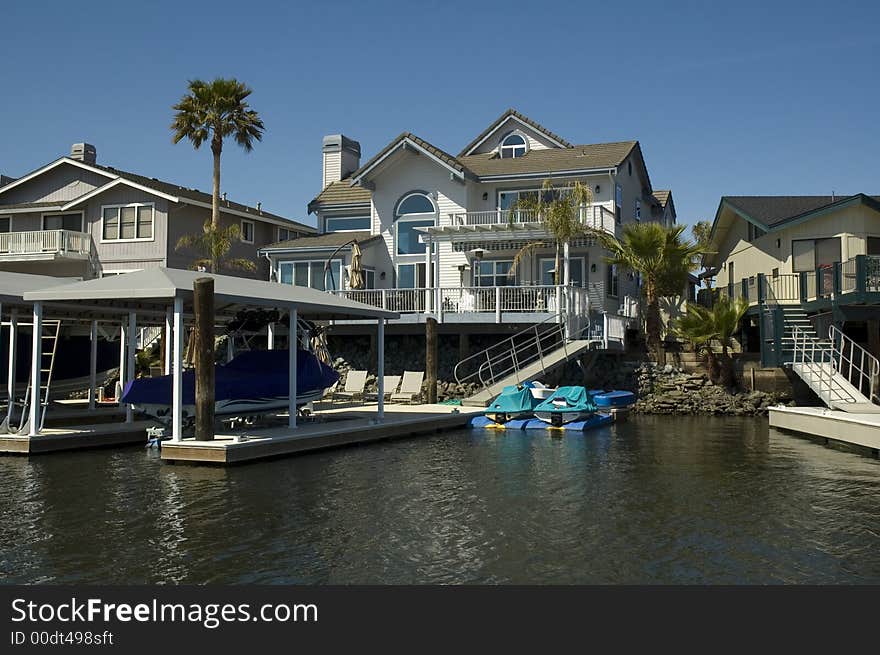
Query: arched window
[414, 210]
[513, 145]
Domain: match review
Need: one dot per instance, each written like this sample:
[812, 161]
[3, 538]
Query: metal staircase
[840, 372]
[51, 330]
[527, 354]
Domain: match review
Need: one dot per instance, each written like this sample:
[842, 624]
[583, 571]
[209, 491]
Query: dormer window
[513, 145]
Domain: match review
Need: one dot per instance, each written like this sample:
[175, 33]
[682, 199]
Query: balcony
[45, 244]
[594, 217]
[508, 304]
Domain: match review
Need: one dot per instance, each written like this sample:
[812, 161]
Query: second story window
[247, 231]
[638, 210]
[5, 224]
[72, 222]
[618, 201]
[132, 222]
[346, 223]
[285, 234]
[414, 210]
[755, 232]
[513, 145]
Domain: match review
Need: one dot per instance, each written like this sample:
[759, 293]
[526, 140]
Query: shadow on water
[652, 500]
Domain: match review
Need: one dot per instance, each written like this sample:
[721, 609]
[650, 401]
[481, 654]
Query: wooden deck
[333, 428]
[853, 429]
[75, 438]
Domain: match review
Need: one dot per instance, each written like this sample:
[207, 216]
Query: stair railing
[819, 362]
[511, 355]
[853, 362]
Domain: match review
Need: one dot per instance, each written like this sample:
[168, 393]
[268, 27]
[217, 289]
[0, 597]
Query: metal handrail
[862, 375]
[513, 354]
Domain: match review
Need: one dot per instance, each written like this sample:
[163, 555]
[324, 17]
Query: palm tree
[216, 110]
[213, 246]
[702, 326]
[663, 259]
[560, 211]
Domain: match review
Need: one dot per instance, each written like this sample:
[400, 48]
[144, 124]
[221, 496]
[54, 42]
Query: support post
[431, 359]
[177, 373]
[270, 336]
[93, 363]
[498, 305]
[13, 344]
[292, 370]
[131, 335]
[123, 339]
[169, 349]
[566, 264]
[36, 365]
[429, 280]
[380, 369]
[203, 310]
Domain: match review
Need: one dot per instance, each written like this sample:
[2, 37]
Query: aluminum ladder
[51, 330]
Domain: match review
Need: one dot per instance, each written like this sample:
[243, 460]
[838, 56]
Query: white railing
[597, 217]
[45, 241]
[836, 370]
[785, 287]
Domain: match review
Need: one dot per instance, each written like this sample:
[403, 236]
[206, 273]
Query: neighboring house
[75, 217]
[438, 237]
[816, 257]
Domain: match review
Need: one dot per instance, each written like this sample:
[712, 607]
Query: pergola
[164, 297]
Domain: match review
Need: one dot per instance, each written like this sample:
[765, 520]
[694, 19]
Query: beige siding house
[437, 235]
[77, 218]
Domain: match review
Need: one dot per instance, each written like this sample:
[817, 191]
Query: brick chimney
[342, 157]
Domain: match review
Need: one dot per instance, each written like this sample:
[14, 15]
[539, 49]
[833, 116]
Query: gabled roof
[167, 189]
[771, 211]
[662, 196]
[341, 193]
[405, 140]
[328, 240]
[551, 160]
[522, 119]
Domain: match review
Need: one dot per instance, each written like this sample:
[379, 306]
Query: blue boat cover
[513, 400]
[614, 398]
[252, 374]
[568, 399]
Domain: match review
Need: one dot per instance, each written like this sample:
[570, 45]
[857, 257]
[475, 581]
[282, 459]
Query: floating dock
[76, 438]
[861, 430]
[334, 428]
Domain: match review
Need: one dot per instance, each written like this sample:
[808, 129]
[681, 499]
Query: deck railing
[45, 241]
[597, 217]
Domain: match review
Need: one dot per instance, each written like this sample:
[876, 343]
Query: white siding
[536, 139]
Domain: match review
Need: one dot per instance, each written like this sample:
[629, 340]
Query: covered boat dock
[164, 297]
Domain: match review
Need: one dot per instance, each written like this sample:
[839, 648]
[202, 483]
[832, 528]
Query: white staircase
[840, 372]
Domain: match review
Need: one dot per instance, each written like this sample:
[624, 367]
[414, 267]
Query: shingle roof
[328, 240]
[662, 196]
[199, 196]
[501, 119]
[33, 205]
[581, 157]
[442, 155]
[772, 210]
[341, 193]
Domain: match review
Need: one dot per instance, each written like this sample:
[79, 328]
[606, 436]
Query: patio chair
[391, 384]
[410, 387]
[355, 382]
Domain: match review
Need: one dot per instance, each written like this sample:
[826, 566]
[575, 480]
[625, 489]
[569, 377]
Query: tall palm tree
[214, 111]
[702, 326]
[663, 259]
[560, 211]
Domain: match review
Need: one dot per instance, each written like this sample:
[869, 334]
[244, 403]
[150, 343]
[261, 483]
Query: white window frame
[285, 229]
[585, 273]
[43, 218]
[119, 239]
[340, 283]
[356, 229]
[524, 146]
[409, 218]
[494, 275]
[253, 231]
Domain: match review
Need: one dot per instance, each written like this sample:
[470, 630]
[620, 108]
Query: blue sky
[742, 98]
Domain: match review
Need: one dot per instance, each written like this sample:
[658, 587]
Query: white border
[253, 230]
[119, 216]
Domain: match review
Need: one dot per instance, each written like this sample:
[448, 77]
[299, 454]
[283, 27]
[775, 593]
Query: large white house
[438, 237]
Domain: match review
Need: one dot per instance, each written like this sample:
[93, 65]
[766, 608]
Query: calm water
[654, 500]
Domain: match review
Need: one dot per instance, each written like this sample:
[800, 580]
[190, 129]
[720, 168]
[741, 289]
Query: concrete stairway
[547, 363]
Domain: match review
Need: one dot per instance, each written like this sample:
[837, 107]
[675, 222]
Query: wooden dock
[333, 428]
[861, 430]
[76, 438]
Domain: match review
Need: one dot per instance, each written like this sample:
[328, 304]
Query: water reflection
[653, 500]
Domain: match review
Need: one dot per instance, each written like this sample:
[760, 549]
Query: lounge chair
[391, 384]
[355, 382]
[410, 387]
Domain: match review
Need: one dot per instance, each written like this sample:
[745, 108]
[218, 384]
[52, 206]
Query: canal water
[652, 500]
